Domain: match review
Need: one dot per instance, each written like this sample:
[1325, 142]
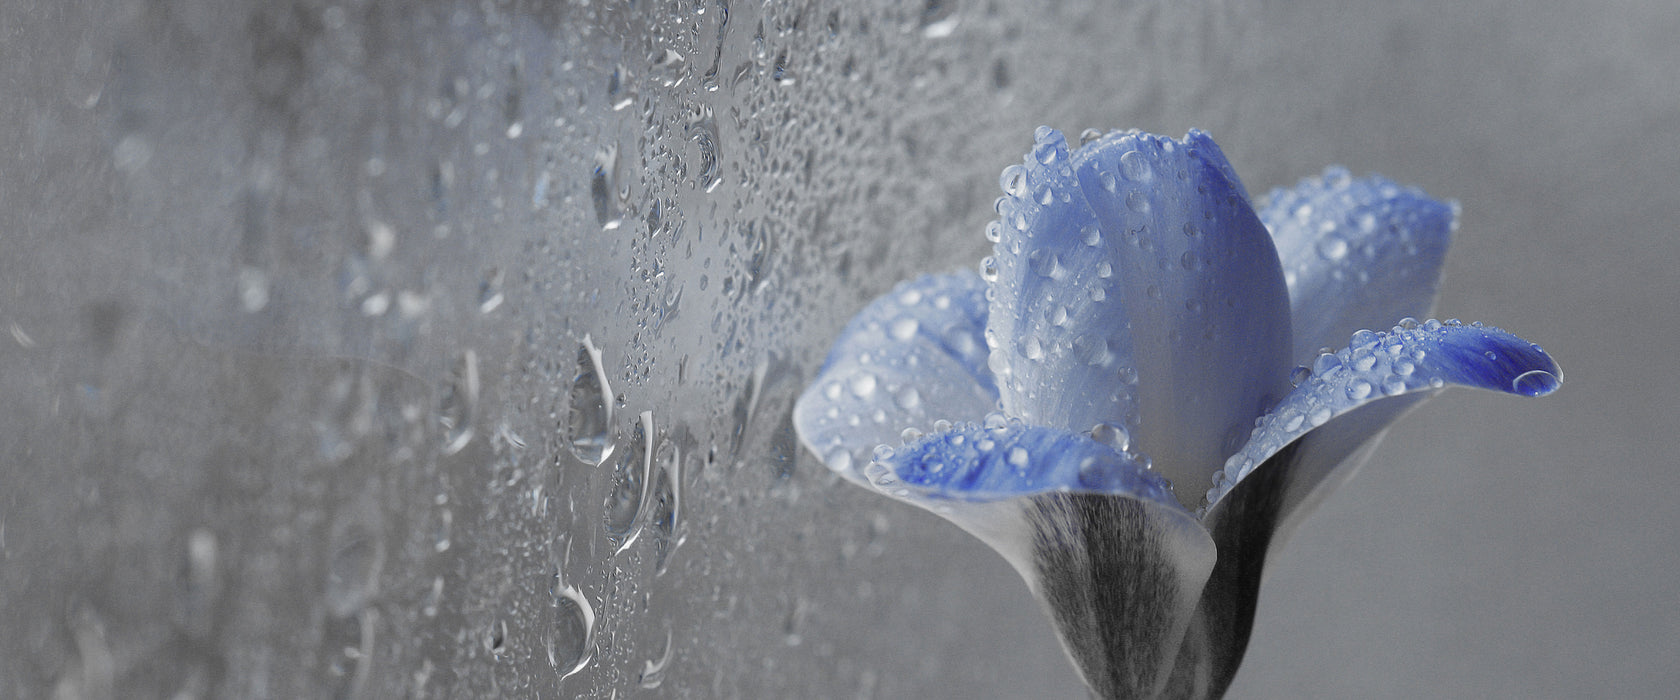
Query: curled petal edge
[1314, 440]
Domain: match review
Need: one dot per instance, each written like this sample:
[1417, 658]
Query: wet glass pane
[449, 349]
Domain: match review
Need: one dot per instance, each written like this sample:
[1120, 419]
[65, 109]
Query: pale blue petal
[1057, 322]
[908, 359]
[1406, 361]
[1101, 541]
[1204, 294]
[1356, 253]
[1311, 442]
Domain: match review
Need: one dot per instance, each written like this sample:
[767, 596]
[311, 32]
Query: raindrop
[1135, 166]
[1089, 135]
[1013, 180]
[1108, 181]
[590, 407]
[1137, 202]
[1114, 436]
[1031, 348]
[1044, 262]
[460, 401]
[1299, 376]
[1358, 389]
[1535, 382]
[904, 329]
[632, 479]
[603, 181]
[1332, 247]
[1045, 152]
[357, 554]
[573, 639]
[1019, 458]
[862, 385]
[490, 291]
[653, 670]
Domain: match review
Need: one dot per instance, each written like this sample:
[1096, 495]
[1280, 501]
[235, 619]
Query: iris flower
[1148, 385]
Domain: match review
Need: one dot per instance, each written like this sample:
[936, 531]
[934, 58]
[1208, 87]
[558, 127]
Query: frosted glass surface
[448, 349]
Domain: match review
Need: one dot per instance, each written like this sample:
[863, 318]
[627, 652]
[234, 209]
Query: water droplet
[862, 384]
[1135, 166]
[1535, 382]
[631, 481]
[1114, 436]
[909, 398]
[1019, 458]
[989, 269]
[1358, 389]
[1089, 135]
[460, 402]
[995, 421]
[603, 181]
[357, 554]
[1108, 181]
[490, 291]
[839, 459]
[1299, 376]
[1320, 415]
[1332, 247]
[572, 641]
[1090, 235]
[1045, 263]
[1013, 180]
[590, 407]
[653, 670]
[1137, 201]
[1045, 152]
[904, 329]
[1031, 348]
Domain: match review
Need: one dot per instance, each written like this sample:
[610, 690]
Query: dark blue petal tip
[1003, 458]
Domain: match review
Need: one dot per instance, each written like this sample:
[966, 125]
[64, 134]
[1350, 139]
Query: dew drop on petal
[862, 385]
[1135, 166]
[905, 328]
[1535, 382]
[1019, 458]
[1114, 436]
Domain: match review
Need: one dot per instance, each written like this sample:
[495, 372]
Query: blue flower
[1139, 335]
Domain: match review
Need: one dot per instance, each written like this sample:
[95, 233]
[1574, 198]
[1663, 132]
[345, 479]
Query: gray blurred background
[294, 297]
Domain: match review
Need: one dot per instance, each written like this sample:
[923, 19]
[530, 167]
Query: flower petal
[1407, 359]
[909, 358]
[1099, 539]
[1204, 294]
[1357, 253]
[1058, 325]
[1291, 462]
